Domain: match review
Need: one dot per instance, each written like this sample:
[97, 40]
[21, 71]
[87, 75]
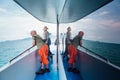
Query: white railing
[22, 67]
[96, 55]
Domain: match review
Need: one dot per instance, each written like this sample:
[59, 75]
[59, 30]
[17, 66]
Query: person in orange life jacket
[42, 51]
[72, 51]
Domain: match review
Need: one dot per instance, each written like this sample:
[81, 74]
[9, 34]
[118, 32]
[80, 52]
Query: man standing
[67, 40]
[47, 40]
[68, 35]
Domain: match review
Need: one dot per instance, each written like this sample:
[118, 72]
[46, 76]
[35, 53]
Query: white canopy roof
[67, 10]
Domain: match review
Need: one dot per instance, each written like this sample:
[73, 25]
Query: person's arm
[80, 43]
[33, 43]
[81, 33]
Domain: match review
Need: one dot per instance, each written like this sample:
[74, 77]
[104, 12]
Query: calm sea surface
[110, 51]
[10, 49]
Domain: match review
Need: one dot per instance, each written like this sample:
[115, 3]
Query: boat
[91, 66]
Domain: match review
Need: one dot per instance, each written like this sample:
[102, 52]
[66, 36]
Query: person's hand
[80, 43]
[33, 43]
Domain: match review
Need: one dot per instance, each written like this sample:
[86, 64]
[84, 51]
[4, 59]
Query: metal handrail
[21, 54]
[95, 53]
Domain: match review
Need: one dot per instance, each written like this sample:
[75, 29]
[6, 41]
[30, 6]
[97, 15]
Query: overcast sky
[101, 25]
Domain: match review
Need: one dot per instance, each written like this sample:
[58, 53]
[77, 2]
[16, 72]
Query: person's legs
[47, 69]
[42, 66]
[43, 52]
[45, 61]
[72, 52]
[75, 70]
[69, 67]
[49, 52]
[66, 49]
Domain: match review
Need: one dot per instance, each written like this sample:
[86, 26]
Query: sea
[10, 49]
[110, 51]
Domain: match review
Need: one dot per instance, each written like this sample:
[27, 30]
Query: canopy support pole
[57, 41]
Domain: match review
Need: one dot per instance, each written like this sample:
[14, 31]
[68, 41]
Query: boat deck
[54, 75]
[71, 75]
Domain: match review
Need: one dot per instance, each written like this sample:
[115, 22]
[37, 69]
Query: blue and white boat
[91, 66]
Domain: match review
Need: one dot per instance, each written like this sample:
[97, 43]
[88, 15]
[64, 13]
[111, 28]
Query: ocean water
[10, 49]
[110, 51]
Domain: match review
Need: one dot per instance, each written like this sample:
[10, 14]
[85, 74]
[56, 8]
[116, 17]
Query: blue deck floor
[71, 75]
[53, 74]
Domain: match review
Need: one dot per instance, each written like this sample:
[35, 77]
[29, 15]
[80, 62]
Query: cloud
[109, 23]
[103, 13]
[98, 29]
[21, 26]
[87, 20]
[2, 10]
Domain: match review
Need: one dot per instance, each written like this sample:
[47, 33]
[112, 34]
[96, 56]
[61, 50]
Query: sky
[102, 25]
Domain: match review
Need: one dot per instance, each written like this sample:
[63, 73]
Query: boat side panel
[24, 69]
[94, 69]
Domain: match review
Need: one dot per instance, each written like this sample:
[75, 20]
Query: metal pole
[57, 40]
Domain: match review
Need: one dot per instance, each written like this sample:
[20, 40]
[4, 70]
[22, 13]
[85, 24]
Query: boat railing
[21, 53]
[96, 54]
